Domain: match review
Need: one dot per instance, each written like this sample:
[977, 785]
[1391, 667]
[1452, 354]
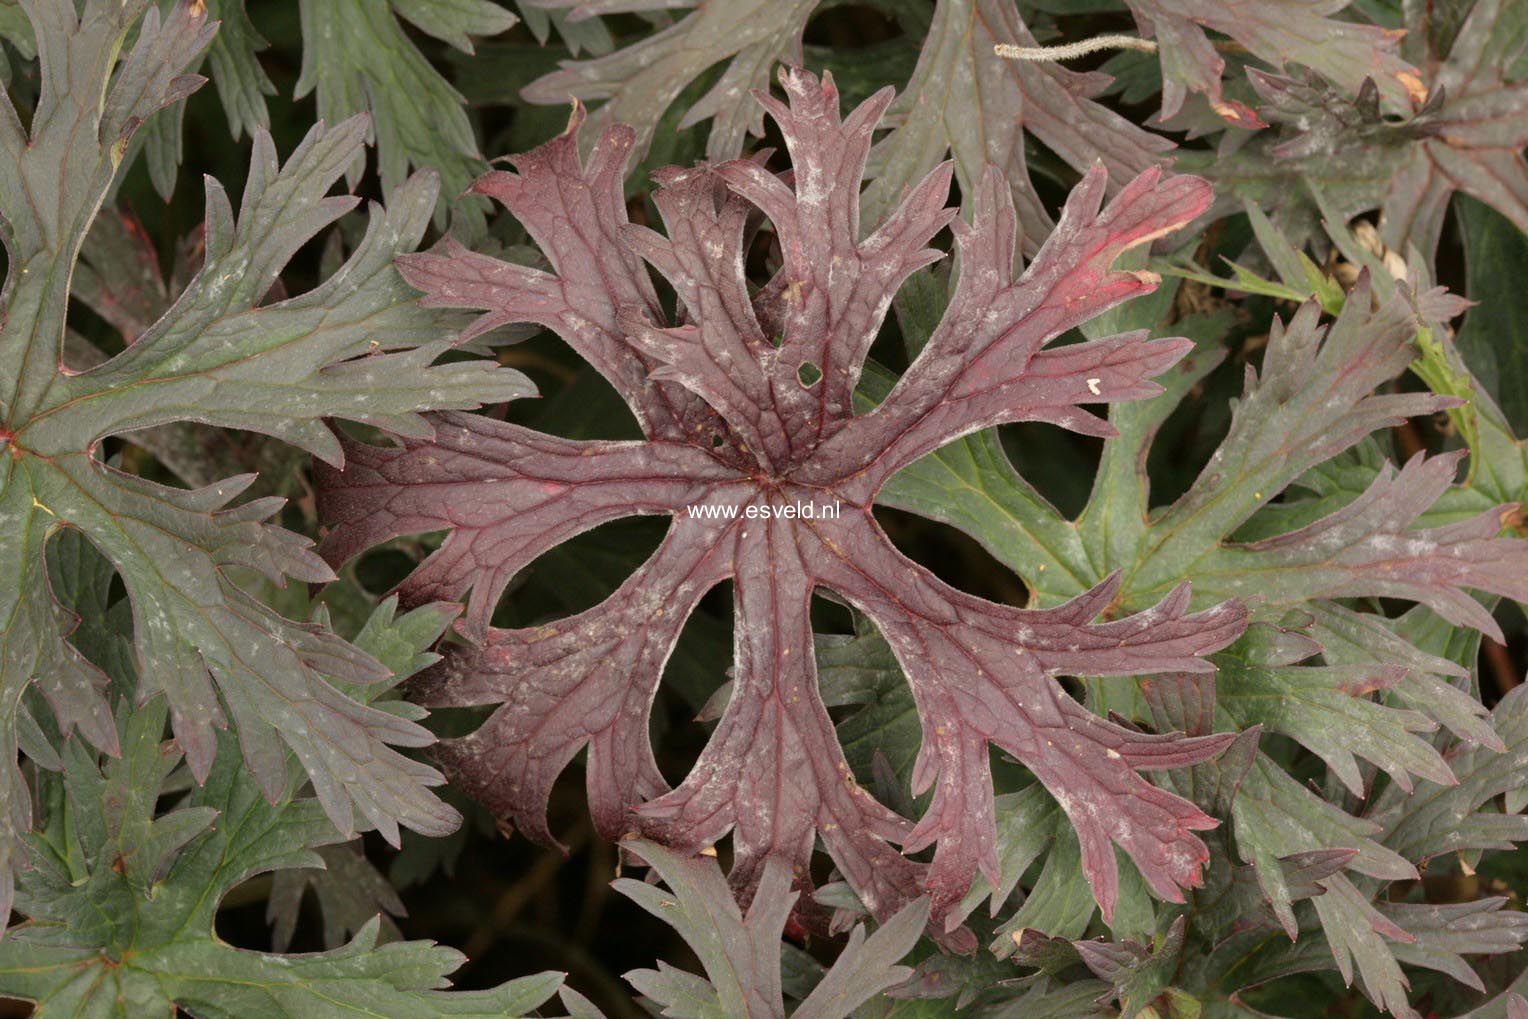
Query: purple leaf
[1279, 32]
[1473, 131]
[754, 449]
[1465, 131]
[1367, 548]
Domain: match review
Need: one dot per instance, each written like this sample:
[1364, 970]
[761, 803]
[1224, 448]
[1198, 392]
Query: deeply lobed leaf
[122, 896]
[355, 347]
[740, 952]
[736, 429]
[358, 59]
[1377, 689]
[1278, 32]
[961, 98]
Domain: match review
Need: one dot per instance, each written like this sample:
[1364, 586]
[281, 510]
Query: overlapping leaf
[749, 411]
[1236, 940]
[1467, 136]
[1472, 131]
[1278, 32]
[242, 86]
[1378, 760]
[965, 100]
[740, 952]
[1313, 397]
[642, 80]
[962, 99]
[122, 895]
[118, 277]
[354, 347]
[358, 59]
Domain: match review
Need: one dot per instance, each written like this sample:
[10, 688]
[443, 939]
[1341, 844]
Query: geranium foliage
[356, 346]
[754, 418]
[1340, 148]
[741, 952]
[1023, 517]
[108, 842]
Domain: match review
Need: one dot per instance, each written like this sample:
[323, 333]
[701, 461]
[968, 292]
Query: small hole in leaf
[808, 374]
[716, 440]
